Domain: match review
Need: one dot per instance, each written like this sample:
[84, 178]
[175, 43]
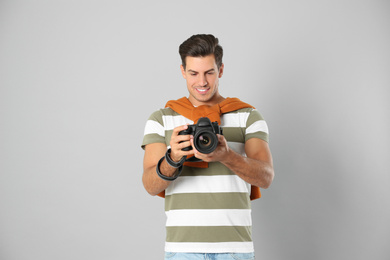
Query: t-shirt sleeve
[154, 130]
[256, 127]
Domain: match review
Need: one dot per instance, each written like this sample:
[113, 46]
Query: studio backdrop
[78, 80]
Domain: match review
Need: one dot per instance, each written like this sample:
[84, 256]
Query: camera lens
[206, 142]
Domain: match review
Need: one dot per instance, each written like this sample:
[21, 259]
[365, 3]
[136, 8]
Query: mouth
[202, 90]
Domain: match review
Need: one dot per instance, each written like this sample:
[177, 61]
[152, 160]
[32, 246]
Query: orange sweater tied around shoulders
[185, 108]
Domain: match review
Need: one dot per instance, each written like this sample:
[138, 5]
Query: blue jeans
[201, 256]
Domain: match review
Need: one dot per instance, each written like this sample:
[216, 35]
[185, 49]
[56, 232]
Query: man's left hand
[218, 155]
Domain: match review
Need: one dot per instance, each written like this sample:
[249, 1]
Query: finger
[178, 154]
[220, 137]
[196, 152]
[182, 138]
[192, 143]
[176, 130]
[184, 145]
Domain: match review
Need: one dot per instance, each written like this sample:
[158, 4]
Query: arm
[256, 168]
[152, 183]
[153, 153]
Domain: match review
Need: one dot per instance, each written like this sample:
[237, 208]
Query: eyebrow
[193, 71]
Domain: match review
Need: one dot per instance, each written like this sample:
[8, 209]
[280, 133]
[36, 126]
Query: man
[207, 203]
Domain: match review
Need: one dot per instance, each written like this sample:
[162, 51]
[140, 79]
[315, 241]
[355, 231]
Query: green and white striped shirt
[208, 209]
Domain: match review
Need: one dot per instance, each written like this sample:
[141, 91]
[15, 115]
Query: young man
[207, 203]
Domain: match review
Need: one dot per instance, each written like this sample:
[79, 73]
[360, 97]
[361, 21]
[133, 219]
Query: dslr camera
[205, 135]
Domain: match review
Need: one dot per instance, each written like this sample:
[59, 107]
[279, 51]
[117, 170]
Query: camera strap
[178, 165]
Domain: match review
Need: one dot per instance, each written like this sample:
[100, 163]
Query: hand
[178, 142]
[218, 155]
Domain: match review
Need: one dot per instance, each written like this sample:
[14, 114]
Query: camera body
[205, 135]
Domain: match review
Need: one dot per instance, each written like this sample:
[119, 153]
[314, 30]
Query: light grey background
[78, 80]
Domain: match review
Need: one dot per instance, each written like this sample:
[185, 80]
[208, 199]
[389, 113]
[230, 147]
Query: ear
[221, 70]
[183, 72]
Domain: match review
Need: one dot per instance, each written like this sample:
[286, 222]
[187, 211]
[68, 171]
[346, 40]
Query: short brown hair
[201, 45]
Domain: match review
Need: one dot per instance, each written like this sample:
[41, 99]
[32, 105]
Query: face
[202, 76]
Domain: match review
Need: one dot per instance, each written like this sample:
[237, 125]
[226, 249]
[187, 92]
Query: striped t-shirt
[208, 209]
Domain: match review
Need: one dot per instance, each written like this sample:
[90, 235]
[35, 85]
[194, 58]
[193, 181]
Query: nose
[202, 81]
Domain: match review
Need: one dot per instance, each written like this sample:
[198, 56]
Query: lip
[202, 91]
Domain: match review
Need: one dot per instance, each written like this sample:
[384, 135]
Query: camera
[205, 135]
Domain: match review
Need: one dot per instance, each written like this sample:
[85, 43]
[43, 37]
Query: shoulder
[256, 126]
[244, 117]
[163, 111]
[159, 114]
[250, 120]
[168, 118]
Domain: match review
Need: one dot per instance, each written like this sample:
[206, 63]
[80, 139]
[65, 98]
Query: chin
[203, 99]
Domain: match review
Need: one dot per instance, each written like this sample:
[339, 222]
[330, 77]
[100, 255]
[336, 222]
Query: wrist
[229, 157]
[173, 157]
[171, 162]
[165, 177]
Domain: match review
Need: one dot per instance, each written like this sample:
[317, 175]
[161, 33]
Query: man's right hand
[178, 142]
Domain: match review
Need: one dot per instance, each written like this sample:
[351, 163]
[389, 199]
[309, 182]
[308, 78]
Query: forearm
[255, 172]
[153, 153]
[153, 183]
